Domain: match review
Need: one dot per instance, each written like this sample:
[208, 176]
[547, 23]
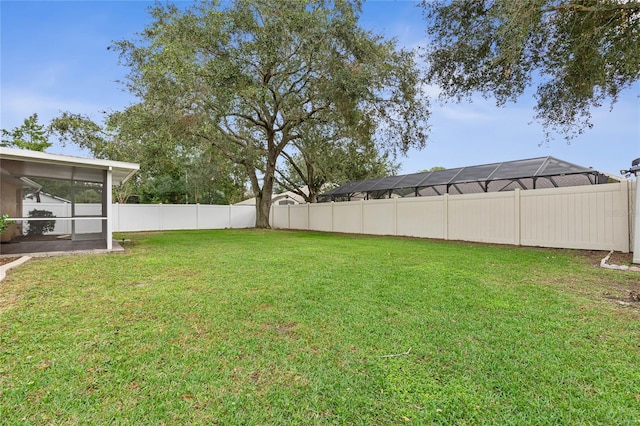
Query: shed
[281, 199]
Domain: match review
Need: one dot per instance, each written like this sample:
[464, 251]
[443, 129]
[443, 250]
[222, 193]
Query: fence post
[308, 216]
[332, 216]
[362, 216]
[516, 217]
[395, 216]
[67, 213]
[625, 232]
[636, 223]
[445, 221]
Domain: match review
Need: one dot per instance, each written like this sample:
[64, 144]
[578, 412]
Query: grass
[267, 327]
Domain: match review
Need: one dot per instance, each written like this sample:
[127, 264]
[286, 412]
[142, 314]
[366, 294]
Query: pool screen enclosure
[533, 173]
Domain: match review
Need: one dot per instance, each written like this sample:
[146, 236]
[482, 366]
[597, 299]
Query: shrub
[4, 223]
[39, 227]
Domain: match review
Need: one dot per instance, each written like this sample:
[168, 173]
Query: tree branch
[602, 7]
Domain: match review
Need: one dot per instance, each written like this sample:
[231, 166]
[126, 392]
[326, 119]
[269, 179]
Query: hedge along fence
[597, 217]
[150, 217]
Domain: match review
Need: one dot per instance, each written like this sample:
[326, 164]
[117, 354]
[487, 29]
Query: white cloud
[19, 104]
[464, 113]
[430, 90]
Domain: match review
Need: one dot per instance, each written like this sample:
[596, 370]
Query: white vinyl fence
[164, 217]
[63, 210]
[148, 217]
[597, 217]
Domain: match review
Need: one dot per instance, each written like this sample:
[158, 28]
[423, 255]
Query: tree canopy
[320, 164]
[579, 52]
[171, 170]
[255, 78]
[30, 135]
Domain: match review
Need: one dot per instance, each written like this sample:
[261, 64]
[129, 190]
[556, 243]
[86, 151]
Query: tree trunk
[264, 196]
[263, 208]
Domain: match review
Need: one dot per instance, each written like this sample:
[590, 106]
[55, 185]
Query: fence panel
[137, 217]
[421, 217]
[178, 216]
[242, 216]
[597, 217]
[62, 227]
[63, 210]
[347, 217]
[280, 217]
[161, 217]
[299, 216]
[584, 217]
[487, 217]
[88, 226]
[321, 217]
[378, 217]
[213, 217]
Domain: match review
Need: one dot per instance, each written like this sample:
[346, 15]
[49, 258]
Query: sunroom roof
[23, 163]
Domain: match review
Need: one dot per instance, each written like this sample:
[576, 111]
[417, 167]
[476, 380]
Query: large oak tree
[255, 76]
[578, 52]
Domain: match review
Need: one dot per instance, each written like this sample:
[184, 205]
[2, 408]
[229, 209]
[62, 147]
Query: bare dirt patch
[631, 299]
[5, 260]
[617, 258]
[286, 327]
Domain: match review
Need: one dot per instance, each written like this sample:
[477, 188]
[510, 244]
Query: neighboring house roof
[49, 198]
[287, 197]
[525, 174]
[20, 182]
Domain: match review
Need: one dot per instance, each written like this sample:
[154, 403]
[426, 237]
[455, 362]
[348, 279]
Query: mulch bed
[5, 260]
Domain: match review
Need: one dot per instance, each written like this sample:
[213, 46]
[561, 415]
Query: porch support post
[636, 224]
[107, 206]
[73, 203]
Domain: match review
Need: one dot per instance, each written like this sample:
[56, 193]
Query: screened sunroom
[84, 214]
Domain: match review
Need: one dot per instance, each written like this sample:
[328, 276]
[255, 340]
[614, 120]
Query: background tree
[432, 169]
[30, 135]
[580, 51]
[172, 170]
[84, 192]
[320, 163]
[251, 78]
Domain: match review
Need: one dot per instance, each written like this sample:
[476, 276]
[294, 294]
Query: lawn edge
[5, 268]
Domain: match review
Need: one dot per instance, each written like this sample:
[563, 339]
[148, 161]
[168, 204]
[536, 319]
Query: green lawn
[267, 327]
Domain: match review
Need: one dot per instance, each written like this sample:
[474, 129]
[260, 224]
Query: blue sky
[54, 58]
